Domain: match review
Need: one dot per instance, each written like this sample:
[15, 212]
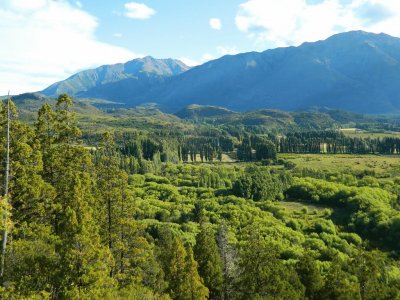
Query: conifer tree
[30, 197]
[196, 287]
[85, 263]
[111, 193]
[209, 261]
[179, 267]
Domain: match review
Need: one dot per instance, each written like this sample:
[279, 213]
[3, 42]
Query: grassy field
[296, 207]
[357, 133]
[346, 163]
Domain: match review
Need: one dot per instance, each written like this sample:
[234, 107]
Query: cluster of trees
[260, 184]
[262, 147]
[176, 148]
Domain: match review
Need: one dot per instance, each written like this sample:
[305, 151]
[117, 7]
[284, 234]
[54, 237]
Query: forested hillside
[214, 210]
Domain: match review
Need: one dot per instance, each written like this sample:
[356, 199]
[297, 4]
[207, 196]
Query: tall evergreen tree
[85, 263]
[179, 267]
[111, 193]
[209, 261]
[30, 198]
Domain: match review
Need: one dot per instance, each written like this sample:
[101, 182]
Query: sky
[45, 41]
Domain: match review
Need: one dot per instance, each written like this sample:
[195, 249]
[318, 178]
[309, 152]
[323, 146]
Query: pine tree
[27, 268]
[179, 267]
[85, 263]
[196, 287]
[207, 256]
[136, 261]
[111, 193]
[4, 232]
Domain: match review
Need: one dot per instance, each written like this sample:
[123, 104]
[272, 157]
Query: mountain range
[355, 71]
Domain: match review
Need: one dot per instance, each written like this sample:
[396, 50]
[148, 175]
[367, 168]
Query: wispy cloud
[189, 62]
[215, 23]
[206, 57]
[291, 22]
[140, 11]
[48, 41]
[227, 50]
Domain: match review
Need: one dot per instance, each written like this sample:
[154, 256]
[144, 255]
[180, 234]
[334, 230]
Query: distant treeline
[336, 142]
[141, 153]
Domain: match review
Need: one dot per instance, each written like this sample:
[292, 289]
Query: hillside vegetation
[154, 212]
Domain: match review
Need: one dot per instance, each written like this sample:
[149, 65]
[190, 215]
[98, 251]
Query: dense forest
[163, 214]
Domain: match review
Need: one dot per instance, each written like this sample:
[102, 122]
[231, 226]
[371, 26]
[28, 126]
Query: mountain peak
[362, 36]
[83, 82]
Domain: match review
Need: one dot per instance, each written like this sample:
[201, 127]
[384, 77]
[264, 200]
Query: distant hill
[195, 111]
[147, 117]
[354, 71]
[119, 82]
[277, 119]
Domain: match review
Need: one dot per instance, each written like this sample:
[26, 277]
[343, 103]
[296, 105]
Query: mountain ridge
[355, 71]
[136, 72]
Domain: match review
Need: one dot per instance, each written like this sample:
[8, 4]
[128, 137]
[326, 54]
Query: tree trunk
[6, 181]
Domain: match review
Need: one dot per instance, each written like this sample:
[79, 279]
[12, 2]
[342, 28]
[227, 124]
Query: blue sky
[44, 41]
[178, 28]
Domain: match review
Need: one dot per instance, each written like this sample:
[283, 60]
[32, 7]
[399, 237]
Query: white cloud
[220, 50]
[79, 4]
[118, 35]
[140, 11]
[206, 57]
[291, 22]
[189, 62]
[223, 50]
[44, 41]
[27, 5]
[215, 23]
[196, 62]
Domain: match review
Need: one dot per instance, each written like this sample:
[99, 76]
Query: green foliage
[179, 267]
[310, 276]
[338, 284]
[368, 211]
[262, 274]
[258, 183]
[85, 225]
